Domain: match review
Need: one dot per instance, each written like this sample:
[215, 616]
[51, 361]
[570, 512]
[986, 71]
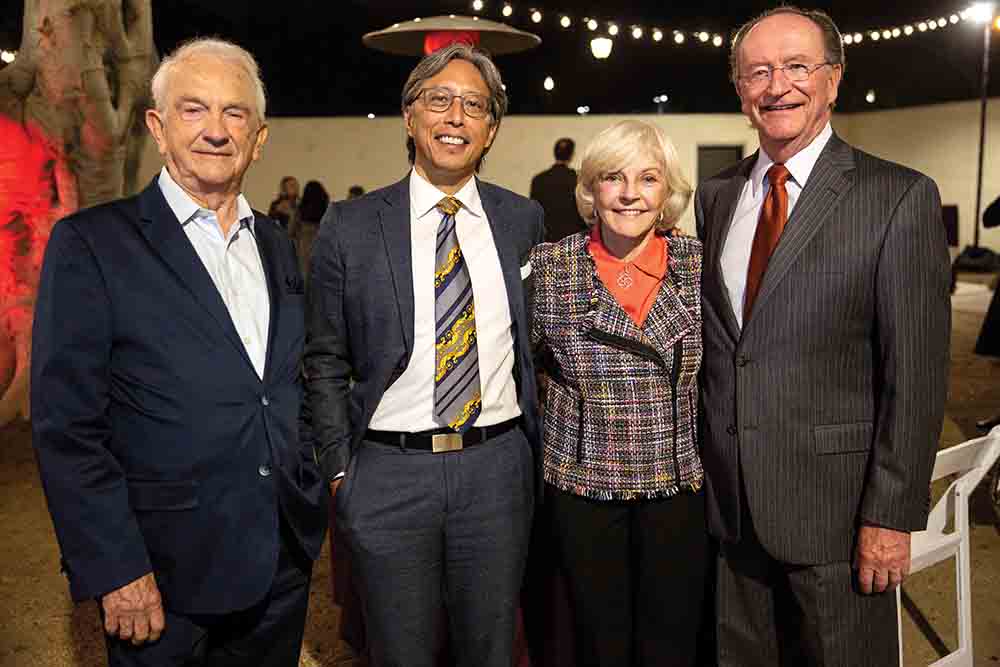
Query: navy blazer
[160, 448]
[361, 310]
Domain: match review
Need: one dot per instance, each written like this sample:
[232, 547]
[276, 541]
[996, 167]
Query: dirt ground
[39, 626]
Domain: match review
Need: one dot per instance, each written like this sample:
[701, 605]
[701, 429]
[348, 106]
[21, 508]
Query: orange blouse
[634, 284]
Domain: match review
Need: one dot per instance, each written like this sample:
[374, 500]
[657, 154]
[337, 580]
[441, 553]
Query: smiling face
[208, 131]
[788, 115]
[628, 202]
[449, 143]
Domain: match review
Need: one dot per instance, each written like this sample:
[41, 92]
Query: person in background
[988, 343]
[616, 319]
[285, 207]
[315, 201]
[553, 189]
[355, 191]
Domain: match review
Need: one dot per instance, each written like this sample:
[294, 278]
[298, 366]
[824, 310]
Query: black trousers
[268, 634]
[989, 337]
[636, 572]
[775, 614]
[430, 531]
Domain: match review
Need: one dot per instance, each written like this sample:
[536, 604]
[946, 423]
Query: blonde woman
[617, 321]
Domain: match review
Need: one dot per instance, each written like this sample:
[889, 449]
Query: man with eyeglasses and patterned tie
[417, 296]
[826, 325]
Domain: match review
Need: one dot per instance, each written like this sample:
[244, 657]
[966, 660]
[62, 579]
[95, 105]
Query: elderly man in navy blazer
[416, 295]
[166, 392]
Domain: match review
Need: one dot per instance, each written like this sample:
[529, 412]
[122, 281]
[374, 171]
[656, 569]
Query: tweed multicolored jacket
[620, 407]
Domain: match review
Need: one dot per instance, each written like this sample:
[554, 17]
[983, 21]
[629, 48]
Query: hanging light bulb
[601, 47]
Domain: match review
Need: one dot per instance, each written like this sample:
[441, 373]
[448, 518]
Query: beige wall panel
[939, 140]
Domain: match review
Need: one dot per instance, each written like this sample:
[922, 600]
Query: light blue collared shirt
[233, 262]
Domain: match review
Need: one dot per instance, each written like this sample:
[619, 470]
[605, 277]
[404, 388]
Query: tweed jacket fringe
[620, 406]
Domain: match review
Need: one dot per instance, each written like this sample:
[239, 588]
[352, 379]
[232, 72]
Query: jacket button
[264, 471]
[265, 401]
[742, 361]
[731, 430]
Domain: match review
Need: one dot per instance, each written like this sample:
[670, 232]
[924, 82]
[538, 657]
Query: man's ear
[408, 121]
[259, 141]
[154, 122]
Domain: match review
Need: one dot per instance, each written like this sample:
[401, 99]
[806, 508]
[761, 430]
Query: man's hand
[134, 612]
[882, 558]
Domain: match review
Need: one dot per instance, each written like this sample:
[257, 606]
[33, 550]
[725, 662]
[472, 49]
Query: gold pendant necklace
[624, 280]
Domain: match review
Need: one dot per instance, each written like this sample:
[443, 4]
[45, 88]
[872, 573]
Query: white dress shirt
[232, 260]
[408, 405]
[739, 242]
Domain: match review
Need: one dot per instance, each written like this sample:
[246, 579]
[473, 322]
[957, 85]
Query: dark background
[314, 64]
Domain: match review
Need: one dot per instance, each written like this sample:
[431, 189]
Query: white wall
[940, 140]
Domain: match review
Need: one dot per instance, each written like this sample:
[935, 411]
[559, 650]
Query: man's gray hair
[209, 46]
[832, 43]
[431, 65]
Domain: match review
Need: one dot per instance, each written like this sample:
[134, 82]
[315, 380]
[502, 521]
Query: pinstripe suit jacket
[829, 402]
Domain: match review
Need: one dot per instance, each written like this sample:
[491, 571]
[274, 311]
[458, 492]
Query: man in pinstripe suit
[826, 324]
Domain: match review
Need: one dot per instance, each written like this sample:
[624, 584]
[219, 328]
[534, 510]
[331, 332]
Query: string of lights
[606, 30]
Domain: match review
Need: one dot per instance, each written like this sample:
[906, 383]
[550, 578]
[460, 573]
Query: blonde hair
[618, 146]
[209, 46]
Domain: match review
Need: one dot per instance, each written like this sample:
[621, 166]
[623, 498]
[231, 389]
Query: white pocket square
[525, 270]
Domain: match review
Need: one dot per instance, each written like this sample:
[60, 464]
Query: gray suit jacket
[829, 402]
[360, 311]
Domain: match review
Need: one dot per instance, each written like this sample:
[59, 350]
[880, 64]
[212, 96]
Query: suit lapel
[268, 246]
[394, 219]
[669, 319]
[830, 179]
[725, 208]
[166, 237]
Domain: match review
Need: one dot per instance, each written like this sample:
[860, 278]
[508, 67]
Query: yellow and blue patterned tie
[457, 394]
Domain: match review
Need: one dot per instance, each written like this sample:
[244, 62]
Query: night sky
[314, 64]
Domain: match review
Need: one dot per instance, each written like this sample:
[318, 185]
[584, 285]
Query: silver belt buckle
[446, 442]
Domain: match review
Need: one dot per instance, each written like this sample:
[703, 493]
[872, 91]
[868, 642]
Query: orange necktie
[773, 216]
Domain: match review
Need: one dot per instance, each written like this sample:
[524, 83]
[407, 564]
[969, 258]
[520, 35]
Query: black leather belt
[442, 439]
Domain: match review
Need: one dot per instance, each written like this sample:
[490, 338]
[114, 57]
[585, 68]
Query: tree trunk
[71, 106]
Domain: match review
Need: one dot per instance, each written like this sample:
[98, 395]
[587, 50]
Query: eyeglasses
[440, 99]
[796, 72]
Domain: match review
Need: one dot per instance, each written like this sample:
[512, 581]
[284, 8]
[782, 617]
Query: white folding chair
[971, 461]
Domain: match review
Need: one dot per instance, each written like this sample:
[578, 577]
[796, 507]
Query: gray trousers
[430, 531]
[772, 614]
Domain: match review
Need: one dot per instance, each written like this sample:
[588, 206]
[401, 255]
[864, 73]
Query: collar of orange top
[652, 260]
